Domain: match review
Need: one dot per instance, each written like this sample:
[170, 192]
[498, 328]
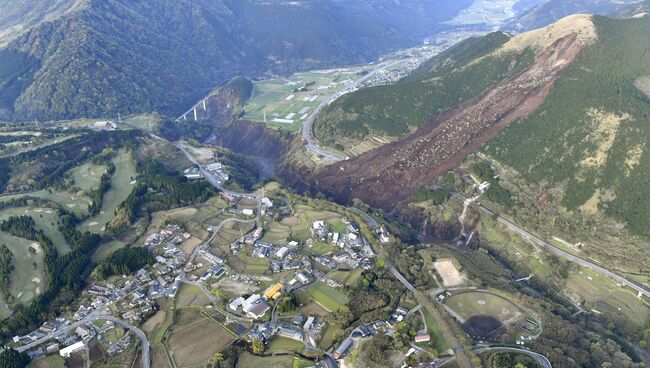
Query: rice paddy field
[122, 183]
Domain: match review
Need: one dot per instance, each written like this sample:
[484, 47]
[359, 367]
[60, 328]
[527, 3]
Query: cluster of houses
[306, 330]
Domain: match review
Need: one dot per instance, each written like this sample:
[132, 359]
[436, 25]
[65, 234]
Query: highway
[539, 358]
[144, 342]
[555, 250]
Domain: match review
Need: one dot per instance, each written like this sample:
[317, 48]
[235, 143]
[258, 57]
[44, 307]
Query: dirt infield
[484, 328]
[448, 273]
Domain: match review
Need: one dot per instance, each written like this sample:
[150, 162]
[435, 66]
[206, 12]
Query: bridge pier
[195, 118]
[204, 108]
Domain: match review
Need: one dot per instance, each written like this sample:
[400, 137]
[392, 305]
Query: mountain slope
[17, 17]
[590, 137]
[550, 11]
[500, 87]
[572, 123]
[133, 56]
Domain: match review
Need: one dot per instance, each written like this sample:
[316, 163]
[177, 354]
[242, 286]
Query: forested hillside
[131, 56]
[446, 80]
[590, 137]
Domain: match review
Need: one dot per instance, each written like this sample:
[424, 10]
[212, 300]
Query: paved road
[557, 251]
[144, 342]
[401, 278]
[369, 219]
[447, 333]
[539, 358]
[212, 180]
[307, 130]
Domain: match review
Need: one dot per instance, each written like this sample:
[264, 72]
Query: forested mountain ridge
[549, 11]
[17, 17]
[132, 56]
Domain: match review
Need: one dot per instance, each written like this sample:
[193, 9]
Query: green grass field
[437, 341]
[121, 185]
[602, 294]
[329, 334]
[106, 249]
[45, 219]
[471, 303]
[71, 201]
[86, 176]
[320, 248]
[327, 297]
[248, 360]
[146, 122]
[280, 343]
[254, 265]
[51, 361]
[27, 279]
[347, 278]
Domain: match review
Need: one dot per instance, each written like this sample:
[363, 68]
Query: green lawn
[86, 176]
[329, 334]
[320, 248]
[329, 298]
[45, 219]
[121, 185]
[339, 227]
[106, 249]
[280, 343]
[437, 342]
[248, 360]
[27, 279]
[78, 204]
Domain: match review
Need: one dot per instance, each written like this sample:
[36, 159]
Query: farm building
[273, 291]
[343, 348]
[422, 338]
[68, 350]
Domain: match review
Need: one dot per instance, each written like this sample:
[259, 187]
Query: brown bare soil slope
[388, 174]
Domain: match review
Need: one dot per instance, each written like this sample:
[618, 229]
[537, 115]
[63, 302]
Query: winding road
[144, 342]
[307, 130]
[539, 358]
